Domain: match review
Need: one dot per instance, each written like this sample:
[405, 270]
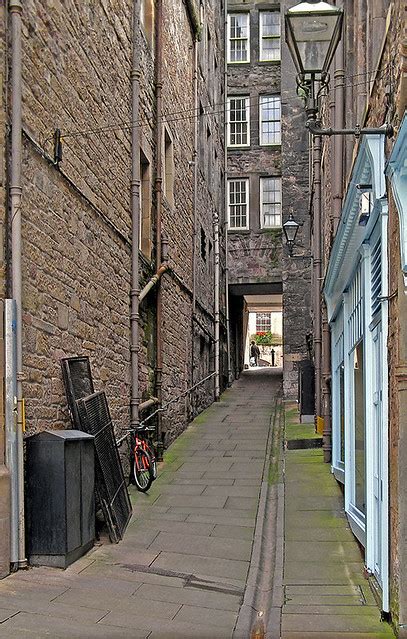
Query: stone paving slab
[332, 623]
[232, 532]
[41, 626]
[192, 596]
[200, 545]
[330, 551]
[199, 615]
[202, 565]
[218, 515]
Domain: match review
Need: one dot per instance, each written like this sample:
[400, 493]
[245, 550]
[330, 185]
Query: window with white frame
[239, 121]
[270, 202]
[270, 119]
[238, 194]
[270, 32]
[263, 322]
[238, 37]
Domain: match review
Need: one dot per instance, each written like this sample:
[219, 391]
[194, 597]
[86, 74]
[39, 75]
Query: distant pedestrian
[254, 353]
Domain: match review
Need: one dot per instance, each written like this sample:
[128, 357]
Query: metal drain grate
[95, 419]
[78, 383]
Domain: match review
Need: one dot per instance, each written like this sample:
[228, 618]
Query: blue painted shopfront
[356, 296]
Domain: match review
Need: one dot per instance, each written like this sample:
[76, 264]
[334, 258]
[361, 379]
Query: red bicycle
[143, 460]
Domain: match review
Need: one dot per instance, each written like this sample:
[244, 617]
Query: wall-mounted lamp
[313, 30]
[290, 229]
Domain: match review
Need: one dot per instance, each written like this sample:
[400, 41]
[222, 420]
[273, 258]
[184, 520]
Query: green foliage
[263, 338]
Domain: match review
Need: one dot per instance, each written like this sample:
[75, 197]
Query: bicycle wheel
[142, 470]
[151, 452]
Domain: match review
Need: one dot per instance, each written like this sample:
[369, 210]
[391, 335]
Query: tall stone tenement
[76, 76]
[267, 180]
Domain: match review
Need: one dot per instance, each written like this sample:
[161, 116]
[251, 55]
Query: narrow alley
[237, 537]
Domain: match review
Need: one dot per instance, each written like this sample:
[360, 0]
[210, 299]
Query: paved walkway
[193, 564]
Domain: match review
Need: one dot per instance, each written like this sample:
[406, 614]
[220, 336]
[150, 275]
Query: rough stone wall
[254, 255]
[3, 194]
[258, 256]
[76, 221]
[210, 199]
[76, 218]
[296, 269]
[187, 221]
[4, 474]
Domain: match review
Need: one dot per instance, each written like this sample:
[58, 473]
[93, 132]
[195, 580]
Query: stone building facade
[76, 76]
[369, 448]
[267, 162]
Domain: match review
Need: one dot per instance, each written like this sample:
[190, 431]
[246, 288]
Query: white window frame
[246, 14]
[247, 121]
[263, 318]
[247, 203]
[263, 37]
[263, 99]
[262, 216]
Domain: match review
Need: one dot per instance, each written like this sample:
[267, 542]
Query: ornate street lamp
[313, 31]
[290, 229]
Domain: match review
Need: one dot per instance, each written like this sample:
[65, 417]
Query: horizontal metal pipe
[316, 130]
[153, 281]
[149, 403]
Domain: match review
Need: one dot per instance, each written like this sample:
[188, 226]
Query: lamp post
[313, 30]
[290, 229]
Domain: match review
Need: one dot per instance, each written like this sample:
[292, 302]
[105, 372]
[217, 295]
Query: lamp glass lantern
[290, 229]
[313, 31]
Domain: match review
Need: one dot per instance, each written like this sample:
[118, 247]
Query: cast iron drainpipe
[16, 8]
[158, 190]
[338, 104]
[135, 218]
[226, 226]
[195, 205]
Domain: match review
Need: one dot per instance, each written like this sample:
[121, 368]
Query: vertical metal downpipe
[10, 388]
[15, 7]
[217, 311]
[135, 220]
[337, 181]
[226, 226]
[317, 273]
[158, 191]
[339, 123]
[195, 205]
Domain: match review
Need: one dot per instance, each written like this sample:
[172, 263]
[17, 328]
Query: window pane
[270, 22]
[263, 322]
[239, 37]
[270, 35]
[270, 49]
[271, 202]
[238, 25]
[359, 417]
[270, 115]
[238, 121]
[238, 198]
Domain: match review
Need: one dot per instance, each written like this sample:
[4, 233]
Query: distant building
[267, 172]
